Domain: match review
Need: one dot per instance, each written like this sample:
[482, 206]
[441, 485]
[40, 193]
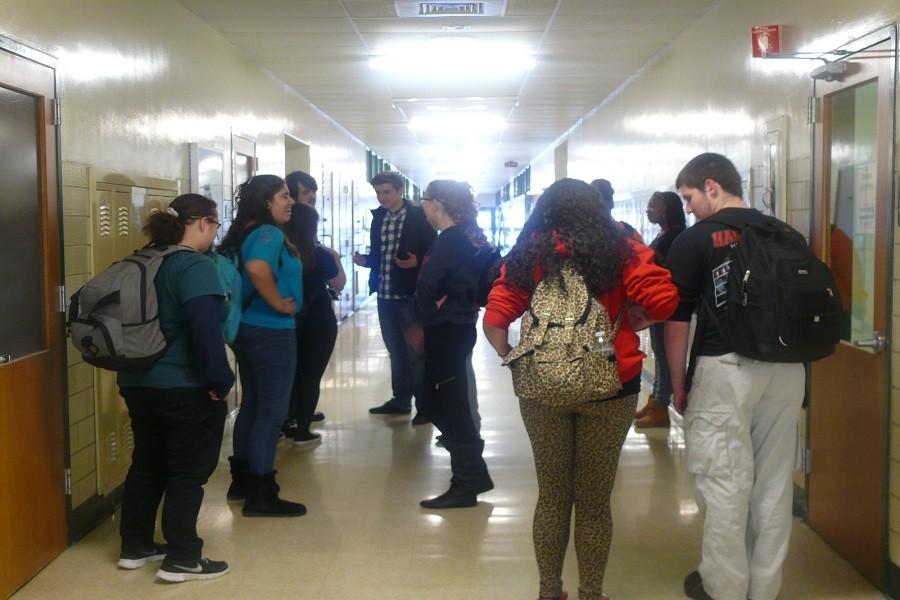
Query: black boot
[238, 488]
[263, 500]
[470, 477]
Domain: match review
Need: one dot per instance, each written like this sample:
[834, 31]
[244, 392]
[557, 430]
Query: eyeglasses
[209, 220]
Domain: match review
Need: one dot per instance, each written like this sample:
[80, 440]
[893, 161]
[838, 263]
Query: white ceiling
[584, 49]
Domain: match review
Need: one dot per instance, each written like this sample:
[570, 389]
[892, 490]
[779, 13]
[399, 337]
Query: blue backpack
[230, 278]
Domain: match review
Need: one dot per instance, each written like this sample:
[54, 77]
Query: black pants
[315, 343]
[446, 385]
[177, 437]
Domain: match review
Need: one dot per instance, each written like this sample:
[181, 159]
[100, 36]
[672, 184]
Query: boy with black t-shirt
[741, 416]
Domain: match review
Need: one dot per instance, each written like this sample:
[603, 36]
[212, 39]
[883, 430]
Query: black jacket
[452, 268]
[416, 238]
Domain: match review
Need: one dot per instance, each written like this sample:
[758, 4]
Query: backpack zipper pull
[744, 287]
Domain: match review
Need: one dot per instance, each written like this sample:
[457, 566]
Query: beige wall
[139, 79]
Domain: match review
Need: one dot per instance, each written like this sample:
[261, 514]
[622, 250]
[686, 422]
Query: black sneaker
[303, 438]
[390, 408]
[177, 572]
[693, 587]
[420, 419]
[289, 428]
[317, 416]
[136, 560]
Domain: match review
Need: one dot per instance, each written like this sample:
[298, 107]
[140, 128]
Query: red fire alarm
[766, 40]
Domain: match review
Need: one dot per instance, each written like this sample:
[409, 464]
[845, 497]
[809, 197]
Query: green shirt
[182, 276]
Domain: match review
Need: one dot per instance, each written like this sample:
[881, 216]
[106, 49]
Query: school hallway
[365, 536]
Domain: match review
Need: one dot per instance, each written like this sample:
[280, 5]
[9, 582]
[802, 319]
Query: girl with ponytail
[176, 405]
[446, 294]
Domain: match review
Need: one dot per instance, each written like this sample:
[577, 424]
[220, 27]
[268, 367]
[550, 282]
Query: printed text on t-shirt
[725, 237]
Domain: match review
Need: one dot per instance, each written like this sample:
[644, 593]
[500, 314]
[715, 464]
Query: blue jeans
[402, 335]
[662, 384]
[266, 362]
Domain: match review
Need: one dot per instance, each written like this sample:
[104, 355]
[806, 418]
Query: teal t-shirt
[267, 243]
[182, 276]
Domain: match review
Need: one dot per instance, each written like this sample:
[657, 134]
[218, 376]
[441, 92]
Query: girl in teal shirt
[265, 346]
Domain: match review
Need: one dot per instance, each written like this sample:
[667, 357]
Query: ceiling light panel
[453, 58]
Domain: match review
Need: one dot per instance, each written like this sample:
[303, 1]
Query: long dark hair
[166, 227]
[297, 178]
[569, 213]
[301, 231]
[253, 197]
[673, 209]
[459, 203]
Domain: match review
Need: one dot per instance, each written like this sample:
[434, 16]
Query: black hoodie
[452, 268]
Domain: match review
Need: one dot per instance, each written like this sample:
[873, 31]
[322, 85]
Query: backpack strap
[733, 222]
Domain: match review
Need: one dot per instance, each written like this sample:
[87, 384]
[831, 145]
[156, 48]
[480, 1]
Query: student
[176, 405]
[316, 330]
[446, 299]
[606, 191]
[266, 348]
[302, 188]
[748, 407]
[664, 209]
[400, 237]
[576, 450]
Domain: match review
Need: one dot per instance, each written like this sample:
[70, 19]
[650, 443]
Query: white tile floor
[365, 536]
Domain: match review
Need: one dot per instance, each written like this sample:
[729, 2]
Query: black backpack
[488, 261]
[782, 303]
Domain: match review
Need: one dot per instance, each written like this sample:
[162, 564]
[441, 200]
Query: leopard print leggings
[576, 454]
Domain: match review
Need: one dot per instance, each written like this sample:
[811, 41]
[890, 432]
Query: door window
[21, 264]
[853, 158]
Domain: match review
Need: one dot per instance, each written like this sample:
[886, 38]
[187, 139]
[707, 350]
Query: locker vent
[105, 224]
[124, 216]
[112, 448]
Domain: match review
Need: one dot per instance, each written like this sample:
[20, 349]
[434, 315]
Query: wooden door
[32, 434]
[852, 217]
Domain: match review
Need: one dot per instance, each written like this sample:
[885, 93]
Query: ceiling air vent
[446, 8]
[450, 9]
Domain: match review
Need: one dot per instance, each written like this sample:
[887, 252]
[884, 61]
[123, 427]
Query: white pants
[741, 429]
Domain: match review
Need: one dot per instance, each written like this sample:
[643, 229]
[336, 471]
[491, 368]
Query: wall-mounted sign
[766, 40]
[511, 163]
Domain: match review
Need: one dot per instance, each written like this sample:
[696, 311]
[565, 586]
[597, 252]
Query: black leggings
[315, 343]
[446, 385]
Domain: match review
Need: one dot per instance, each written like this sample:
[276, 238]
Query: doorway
[296, 155]
[32, 435]
[851, 231]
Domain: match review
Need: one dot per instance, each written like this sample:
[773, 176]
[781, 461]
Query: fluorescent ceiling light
[458, 124]
[445, 108]
[437, 153]
[454, 57]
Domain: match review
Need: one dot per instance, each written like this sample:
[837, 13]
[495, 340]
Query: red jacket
[643, 282]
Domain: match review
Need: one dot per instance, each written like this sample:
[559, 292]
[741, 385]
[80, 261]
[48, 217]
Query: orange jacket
[643, 282]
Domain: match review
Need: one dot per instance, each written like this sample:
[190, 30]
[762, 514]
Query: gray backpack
[114, 318]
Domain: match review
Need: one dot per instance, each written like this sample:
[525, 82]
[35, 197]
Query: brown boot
[658, 416]
[651, 402]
